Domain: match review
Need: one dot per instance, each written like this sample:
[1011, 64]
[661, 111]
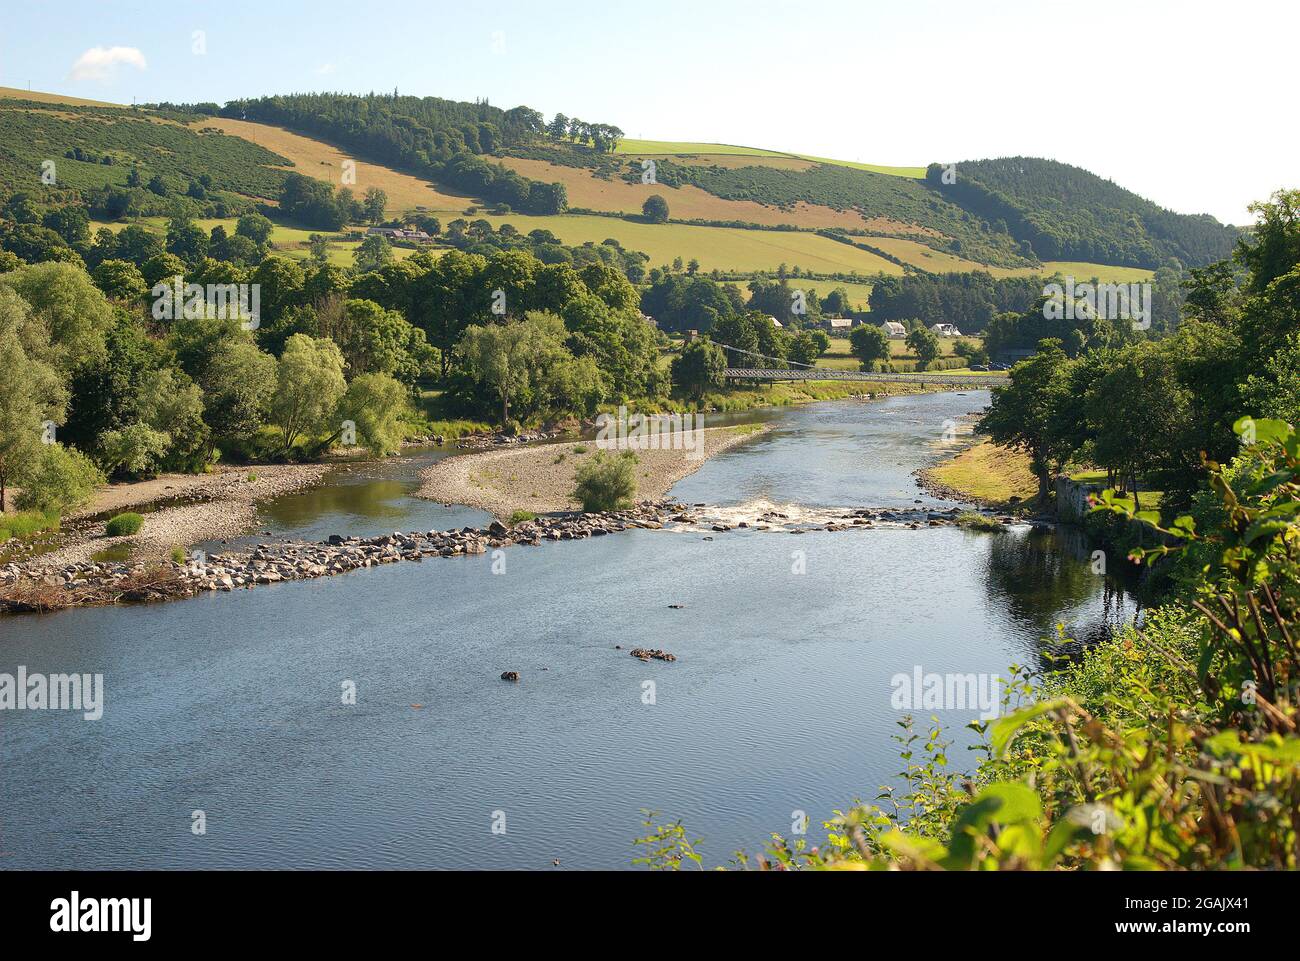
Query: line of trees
[603, 138]
[1146, 411]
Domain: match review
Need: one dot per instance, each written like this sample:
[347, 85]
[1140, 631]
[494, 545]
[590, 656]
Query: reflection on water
[365, 499]
[114, 554]
[1044, 578]
[779, 700]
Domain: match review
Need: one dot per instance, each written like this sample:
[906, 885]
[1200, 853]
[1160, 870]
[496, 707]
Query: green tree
[31, 393]
[655, 209]
[508, 358]
[445, 299]
[58, 479]
[121, 280]
[238, 383]
[186, 240]
[375, 202]
[319, 247]
[1025, 414]
[869, 344]
[135, 451]
[924, 343]
[699, 368]
[376, 403]
[73, 310]
[1139, 414]
[373, 252]
[804, 349]
[255, 227]
[309, 385]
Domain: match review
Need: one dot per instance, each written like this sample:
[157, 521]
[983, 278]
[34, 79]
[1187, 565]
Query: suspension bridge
[795, 371]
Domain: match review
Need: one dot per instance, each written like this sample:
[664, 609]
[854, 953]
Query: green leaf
[1004, 729]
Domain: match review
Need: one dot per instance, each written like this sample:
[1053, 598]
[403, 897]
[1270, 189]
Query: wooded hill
[1066, 213]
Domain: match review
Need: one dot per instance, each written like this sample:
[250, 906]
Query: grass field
[721, 248]
[685, 203]
[988, 474]
[14, 93]
[919, 255]
[664, 148]
[1079, 271]
[315, 158]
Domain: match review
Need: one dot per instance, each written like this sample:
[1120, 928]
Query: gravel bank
[179, 510]
[541, 479]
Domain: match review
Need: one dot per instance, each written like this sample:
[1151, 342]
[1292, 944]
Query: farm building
[946, 330]
[775, 323]
[838, 324]
[893, 329]
[401, 234]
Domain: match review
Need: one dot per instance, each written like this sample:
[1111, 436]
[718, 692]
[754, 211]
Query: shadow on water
[1044, 578]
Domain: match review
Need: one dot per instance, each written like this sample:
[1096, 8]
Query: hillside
[734, 209]
[1066, 213]
[96, 149]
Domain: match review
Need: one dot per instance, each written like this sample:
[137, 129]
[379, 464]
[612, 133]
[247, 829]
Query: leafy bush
[61, 480]
[606, 483]
[124, 525]
[522, 517]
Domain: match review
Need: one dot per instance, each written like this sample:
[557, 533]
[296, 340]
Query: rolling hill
[733, 209]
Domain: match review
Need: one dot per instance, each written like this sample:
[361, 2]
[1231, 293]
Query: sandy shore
[541, 479]
[187, 509]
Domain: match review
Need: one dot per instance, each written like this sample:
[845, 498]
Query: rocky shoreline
[40, 586]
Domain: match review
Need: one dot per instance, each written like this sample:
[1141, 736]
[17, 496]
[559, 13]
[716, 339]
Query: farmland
[324, 162]
[661, 148]
[686, 202]
[251, 156]
[720, 248]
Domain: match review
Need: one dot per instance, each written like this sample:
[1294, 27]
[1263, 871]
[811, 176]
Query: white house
[946, 330]
[835, 324]
[894, 330]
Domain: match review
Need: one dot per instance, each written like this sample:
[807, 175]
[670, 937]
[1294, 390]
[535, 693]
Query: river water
[780, 700]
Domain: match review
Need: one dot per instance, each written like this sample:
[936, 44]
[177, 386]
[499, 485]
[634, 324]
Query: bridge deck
[956, 380]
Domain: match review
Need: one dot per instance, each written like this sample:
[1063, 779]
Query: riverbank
[984, 474]
[178, 510]
[540, 480]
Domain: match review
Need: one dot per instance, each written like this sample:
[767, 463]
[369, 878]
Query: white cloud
[100, 63]
[325, 69]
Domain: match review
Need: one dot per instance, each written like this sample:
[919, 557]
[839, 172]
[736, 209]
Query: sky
[1191, 104]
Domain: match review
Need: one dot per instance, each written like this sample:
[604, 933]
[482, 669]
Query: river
[780, 700]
